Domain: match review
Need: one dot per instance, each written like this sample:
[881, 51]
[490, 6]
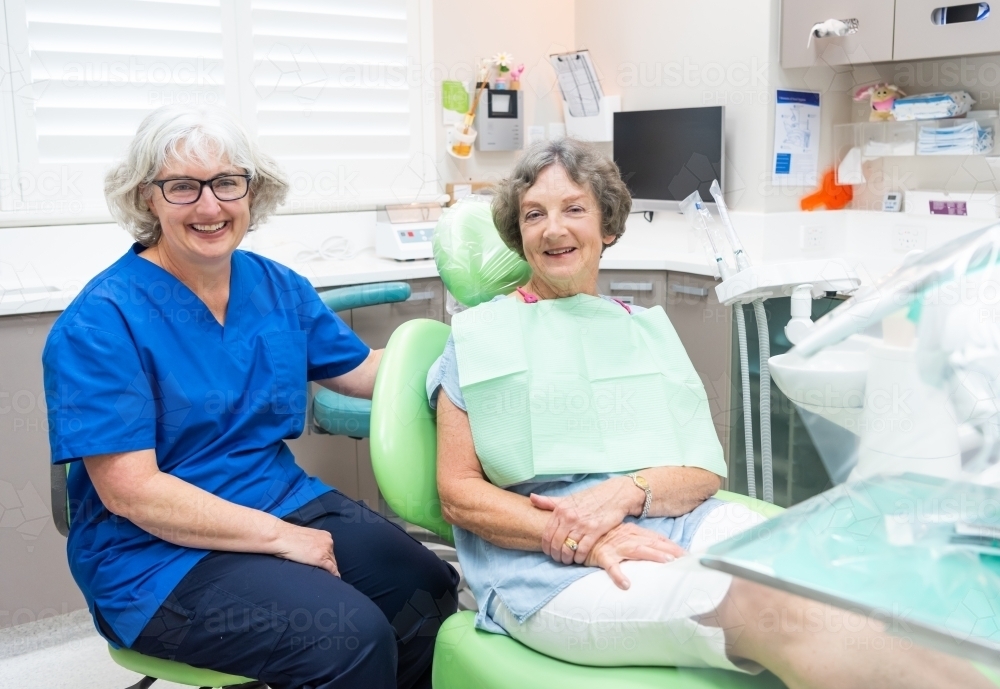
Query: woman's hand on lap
[585, 516]
[307, 546]
[630, 542]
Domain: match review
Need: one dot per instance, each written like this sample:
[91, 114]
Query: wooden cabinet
[34, 578]
[871, 43]
[918, 37]
[888, 30]
[705, 330]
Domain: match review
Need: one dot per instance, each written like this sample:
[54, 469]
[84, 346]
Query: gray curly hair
[204, 134]
[585, 165]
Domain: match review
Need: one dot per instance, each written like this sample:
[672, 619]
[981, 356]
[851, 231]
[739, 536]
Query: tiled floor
[78, 664]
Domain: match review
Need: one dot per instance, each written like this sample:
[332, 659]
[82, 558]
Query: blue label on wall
[782, 163]
[804, 97]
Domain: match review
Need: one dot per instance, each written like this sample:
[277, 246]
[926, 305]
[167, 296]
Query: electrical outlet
[908, 238]
[812, 237]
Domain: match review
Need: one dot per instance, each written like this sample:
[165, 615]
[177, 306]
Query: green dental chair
[332, 413]
[403, 450]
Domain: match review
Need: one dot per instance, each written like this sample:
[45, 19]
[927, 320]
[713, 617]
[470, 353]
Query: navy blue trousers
[293, 626]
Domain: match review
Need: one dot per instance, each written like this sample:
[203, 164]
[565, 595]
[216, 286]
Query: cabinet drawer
[871, 43]
[646, 288]
[918, 37]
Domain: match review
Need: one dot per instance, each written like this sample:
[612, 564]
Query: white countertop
[42, 269]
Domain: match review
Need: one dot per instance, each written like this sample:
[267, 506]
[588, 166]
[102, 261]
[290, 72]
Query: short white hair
[204, 134]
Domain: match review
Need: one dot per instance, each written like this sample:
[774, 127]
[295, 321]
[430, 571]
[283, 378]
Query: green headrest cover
[472, 260]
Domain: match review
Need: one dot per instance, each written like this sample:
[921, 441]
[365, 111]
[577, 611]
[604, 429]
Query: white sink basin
[831, 383]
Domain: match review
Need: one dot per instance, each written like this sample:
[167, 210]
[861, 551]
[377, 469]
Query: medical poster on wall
[796, 139]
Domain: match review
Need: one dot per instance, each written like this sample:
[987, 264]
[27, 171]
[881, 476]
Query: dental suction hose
[741, 329]
[764, 339]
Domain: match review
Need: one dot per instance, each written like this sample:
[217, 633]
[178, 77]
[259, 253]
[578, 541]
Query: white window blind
[338, 100]
[331, 88]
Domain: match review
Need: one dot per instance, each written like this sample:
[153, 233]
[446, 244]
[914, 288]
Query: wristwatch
[644, 485]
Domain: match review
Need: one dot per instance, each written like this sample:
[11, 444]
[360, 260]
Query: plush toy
[882, 97]
[830, 195]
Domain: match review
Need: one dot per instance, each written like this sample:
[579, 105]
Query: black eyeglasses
[186, 190]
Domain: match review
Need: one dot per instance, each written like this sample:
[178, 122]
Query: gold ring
[571, 544]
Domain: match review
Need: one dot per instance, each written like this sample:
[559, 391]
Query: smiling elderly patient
[577, 462]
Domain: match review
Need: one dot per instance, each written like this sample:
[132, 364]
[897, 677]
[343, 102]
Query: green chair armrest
[338, 414]
[357, 296]
[759, 506]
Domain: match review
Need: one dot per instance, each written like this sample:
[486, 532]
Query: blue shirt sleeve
[99, 399]
[443, 373]
[332, 348]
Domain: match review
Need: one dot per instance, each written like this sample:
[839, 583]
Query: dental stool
[403, 450]
[149, 667]
[332, 413]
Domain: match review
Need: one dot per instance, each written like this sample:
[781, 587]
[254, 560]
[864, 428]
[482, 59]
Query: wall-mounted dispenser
[500, 118]
[599, 127]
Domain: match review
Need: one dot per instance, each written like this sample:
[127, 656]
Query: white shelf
[899, 139]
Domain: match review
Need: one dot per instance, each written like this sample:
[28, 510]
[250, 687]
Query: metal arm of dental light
[700, 218]
[764, 353]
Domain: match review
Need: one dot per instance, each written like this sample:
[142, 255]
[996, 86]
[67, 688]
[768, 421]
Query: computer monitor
[664, 155]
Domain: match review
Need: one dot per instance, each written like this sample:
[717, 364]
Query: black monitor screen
[664, 155]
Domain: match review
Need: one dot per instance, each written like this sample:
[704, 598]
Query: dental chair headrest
[474, 263]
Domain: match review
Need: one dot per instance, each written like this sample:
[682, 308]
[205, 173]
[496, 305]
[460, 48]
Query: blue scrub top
[138, 362]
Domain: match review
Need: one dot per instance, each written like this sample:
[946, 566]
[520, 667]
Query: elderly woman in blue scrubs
[172, 382]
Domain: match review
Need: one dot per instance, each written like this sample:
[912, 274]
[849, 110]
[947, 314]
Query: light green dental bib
[578, 385]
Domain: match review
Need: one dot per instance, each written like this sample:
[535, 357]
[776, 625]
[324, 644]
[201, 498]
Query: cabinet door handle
[421, 296]
[833, 27]
[632, 286]
[693, 291]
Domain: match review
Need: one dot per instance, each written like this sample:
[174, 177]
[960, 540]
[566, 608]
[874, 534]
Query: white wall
[689, 54]
[465, 32]
[676, 54]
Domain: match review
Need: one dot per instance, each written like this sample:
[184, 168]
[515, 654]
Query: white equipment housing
[405, 232]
